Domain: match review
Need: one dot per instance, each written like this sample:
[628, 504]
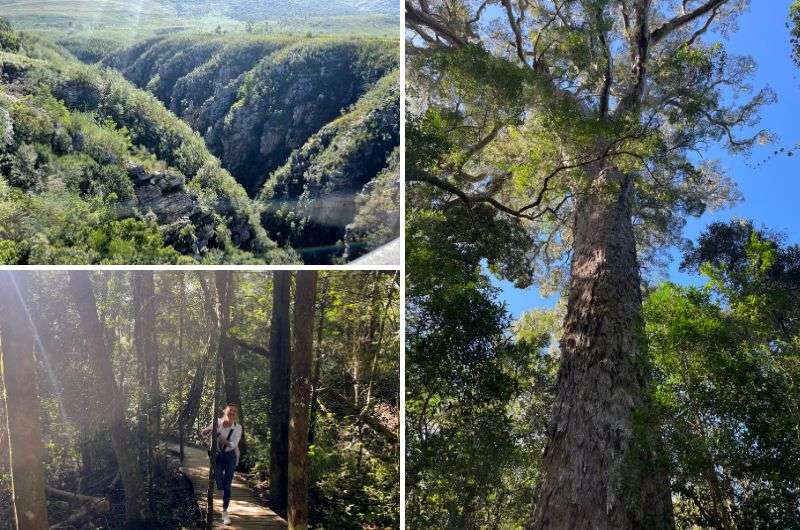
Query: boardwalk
[244, 510]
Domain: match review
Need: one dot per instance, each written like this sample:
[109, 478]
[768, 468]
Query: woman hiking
[229, 432]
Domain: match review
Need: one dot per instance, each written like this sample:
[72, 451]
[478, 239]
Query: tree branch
[353, 410]
[249, 346]
[423, 18]
[517, 31]
[468, 199]
[668, 27]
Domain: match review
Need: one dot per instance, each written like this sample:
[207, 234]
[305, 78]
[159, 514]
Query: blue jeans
[223, 474]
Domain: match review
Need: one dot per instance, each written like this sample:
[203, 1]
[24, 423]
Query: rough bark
[18, 370]
[302, 354]
[112, 398]
[230, 370]
[182, 355]
[597, 467]
[279, 387]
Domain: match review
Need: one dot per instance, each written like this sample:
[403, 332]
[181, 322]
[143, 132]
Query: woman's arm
[207, 430]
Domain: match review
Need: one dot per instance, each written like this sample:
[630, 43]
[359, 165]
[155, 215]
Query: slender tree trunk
[302, 354]
[112, 399]
[212, 451]
[312, 423]
[18, 370]
[279, 343]
[230, 370]
[597, 468]
[191, 410]
[145, 342]
[182, 354]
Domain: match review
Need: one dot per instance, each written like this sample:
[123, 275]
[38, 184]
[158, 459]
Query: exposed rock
[186, 225]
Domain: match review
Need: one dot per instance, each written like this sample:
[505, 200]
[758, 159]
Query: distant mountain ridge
[49, 12]
[251, 9]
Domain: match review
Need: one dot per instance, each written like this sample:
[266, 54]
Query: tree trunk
[302, 354]
[18, 370]
[312, 422]
[212, 451]
[112, 399]
[192, 408]
[182, 356]
[230, 370]
[279, 389]
[144, 304]
[597, 468]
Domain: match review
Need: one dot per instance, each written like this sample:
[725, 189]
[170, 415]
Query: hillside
[94, 170]
[266, 103]
[349, 167]
[321, 112]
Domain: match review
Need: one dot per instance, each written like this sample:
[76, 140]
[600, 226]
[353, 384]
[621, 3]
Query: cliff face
[309, 123]
[310, 200]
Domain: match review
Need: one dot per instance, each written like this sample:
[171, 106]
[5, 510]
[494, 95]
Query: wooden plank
[244, 510]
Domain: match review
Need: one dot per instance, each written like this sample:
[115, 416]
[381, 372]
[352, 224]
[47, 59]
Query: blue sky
[771, 191]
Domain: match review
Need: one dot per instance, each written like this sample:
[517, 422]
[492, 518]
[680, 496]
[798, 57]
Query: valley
[259, 147]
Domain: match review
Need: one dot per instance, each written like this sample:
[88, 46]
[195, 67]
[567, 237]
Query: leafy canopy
[725, 359]
[526, 101]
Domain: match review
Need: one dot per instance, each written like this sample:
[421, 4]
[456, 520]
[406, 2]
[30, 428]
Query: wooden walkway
[245, 512]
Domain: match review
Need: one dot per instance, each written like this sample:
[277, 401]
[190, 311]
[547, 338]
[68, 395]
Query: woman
[229, 432]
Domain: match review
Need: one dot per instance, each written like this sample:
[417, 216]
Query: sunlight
[45, 356]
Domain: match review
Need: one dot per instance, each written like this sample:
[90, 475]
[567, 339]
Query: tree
[212, 450]
[460, 392]
[190, 411]
[112, 399]
[18, 371]
[279, 346]
[725, 369]
[302, 354]
[569, 127]
[230, 370]
[144, 304]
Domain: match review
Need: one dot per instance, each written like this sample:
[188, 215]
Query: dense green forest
[561, 147]
[308, 127]
[723, 358]
[104, 374]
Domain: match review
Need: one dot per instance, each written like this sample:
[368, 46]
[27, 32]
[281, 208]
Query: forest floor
[244, 510]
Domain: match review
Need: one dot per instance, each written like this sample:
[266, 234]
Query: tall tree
[212, 451]
[192, 408]
[725, 358]
[144, 305]
[279, 347]
[567, 127]
[302, 354]
[18, 371]
[230, 370]
[112, 398]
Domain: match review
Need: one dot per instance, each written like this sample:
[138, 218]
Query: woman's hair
[231, 406]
